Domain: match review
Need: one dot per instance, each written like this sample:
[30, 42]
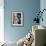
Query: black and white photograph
[17, 18]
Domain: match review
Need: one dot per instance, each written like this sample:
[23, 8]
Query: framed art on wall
[17, 18]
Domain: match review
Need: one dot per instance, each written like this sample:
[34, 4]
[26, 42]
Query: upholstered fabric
[26, 41]
[20, 42]
[9, 43]
[39, 37]
[39, 33]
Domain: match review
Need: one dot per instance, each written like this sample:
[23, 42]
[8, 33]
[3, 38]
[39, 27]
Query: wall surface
[43, 6]
[29, 7]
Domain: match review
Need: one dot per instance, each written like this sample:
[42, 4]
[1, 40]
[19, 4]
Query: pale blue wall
[29, 7]
[43, 6]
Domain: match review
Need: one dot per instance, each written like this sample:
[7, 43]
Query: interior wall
[29, 7]
[43, 6]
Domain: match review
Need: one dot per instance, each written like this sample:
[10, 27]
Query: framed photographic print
[17, 18]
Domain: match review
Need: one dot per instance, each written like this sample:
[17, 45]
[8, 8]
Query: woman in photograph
[19, 18]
